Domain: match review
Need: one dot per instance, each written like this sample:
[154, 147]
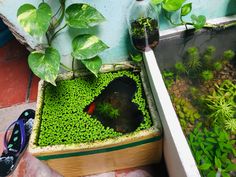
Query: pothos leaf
[93, 64]
[83, 16]
[136, 58]
[186, 9]
[172, 5]
[87, 46]
[35, 21]
[198, 21]
[46, 64]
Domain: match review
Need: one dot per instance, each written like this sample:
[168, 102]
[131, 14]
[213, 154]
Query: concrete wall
[114, 31]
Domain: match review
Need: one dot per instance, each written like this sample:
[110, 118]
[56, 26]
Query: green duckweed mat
[63, 119]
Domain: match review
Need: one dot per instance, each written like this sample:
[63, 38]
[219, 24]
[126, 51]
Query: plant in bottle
[145, 33]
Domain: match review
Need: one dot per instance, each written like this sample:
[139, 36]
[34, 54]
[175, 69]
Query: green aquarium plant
[193, 61]
[168, 77]
[217, 66]
[45, 25]
[213, 151]
[180, 68]
[207, 75]
[107, 110]
[228, 54]
[231, 125]
[187, 114]
[208, 57]
[64, 119]
[221, 104]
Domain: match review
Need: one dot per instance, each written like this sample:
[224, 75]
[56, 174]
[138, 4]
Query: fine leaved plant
[107, 110]
[42, 23]
[193, 61]
[168, 77]
[221, 104]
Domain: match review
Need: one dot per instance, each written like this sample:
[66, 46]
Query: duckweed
[63, 120]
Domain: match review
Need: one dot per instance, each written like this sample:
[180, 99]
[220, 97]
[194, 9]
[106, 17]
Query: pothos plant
[40, 22]
[170, 7]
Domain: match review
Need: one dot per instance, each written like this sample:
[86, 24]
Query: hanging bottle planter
[143, 25]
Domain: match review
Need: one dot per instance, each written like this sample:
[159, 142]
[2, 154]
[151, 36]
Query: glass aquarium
[200, 76]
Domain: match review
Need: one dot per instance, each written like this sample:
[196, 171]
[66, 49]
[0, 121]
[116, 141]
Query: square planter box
[129, 150]
[173, 43]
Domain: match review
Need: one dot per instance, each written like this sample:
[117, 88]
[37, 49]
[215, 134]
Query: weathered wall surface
[114, 31]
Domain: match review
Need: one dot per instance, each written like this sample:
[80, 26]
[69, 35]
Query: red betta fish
[91, 108]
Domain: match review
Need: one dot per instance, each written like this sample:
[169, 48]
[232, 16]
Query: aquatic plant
[228, 54]
[217, 66]
[207, 75]
[208, 57]
[107, 110]
[231, 125]
[210, 50]
[63, 119]
[212, 149]
[168, 77]
[180, 68]
[187, 114]
[221, 103]
[193, 62]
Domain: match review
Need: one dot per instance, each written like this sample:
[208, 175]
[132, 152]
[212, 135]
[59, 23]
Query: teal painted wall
[114, 31]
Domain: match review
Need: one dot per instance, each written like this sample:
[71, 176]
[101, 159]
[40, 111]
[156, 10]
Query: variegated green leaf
[172, 5]
[35, 21]
[83, 16]
[46, 64]
[93, 64]
[87, 46]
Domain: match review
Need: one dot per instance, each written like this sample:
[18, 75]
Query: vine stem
[61, 16]
[59, 9]
[55, 34]
[65, 67]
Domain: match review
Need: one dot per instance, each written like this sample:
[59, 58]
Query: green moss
[63, 120]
